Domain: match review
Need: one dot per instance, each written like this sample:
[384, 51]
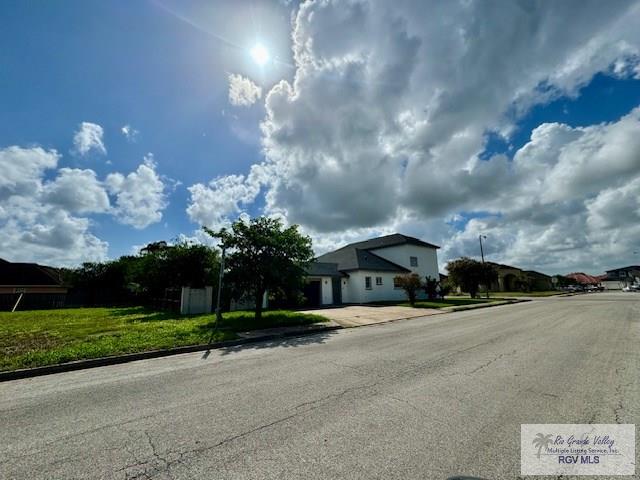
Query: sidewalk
[359, 316]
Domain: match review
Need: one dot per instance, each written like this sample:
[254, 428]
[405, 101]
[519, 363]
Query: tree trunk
[259, 297]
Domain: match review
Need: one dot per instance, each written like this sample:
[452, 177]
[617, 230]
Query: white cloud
[573, 200]
[129, 132]
[88, 137]
[242, 91]
[77, 191]
[211, 205]
[140, 196]
[389, 108]
[22, 169]
[36, 220]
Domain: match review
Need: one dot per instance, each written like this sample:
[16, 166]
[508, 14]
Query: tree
[264, 256]
[431, 288]
[468, 274]
[161, 266]
[411, 284]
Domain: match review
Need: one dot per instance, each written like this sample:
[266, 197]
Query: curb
[132, 357]
[498, 303]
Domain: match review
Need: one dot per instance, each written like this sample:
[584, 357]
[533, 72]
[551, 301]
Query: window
[367, 283]
[378, 280]
[395, 283]
[413, 261]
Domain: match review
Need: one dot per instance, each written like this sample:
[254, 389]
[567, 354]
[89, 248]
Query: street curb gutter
[478, 306]
[132, 357]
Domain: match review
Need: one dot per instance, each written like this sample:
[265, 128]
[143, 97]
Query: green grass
[46, 337]
[447, 302]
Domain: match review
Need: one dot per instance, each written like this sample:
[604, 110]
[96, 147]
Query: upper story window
[413, 261]
[378, 280]
[367, 283]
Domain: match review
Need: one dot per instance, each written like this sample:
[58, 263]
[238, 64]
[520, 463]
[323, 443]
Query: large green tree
[468, 274]
[264, 255]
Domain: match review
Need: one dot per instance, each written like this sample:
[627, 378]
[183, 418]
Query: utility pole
[220, 277]
[486, 283]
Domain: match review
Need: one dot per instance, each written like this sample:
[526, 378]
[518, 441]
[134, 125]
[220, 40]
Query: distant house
[510, 279]
[619, 278]
[539, 281]
[37, 283]
[364, 272]
[513, 279]
[583, 278]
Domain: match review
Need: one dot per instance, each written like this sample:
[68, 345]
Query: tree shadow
[150, 315]
[291, 341]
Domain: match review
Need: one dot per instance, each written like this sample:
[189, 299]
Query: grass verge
[47, 337]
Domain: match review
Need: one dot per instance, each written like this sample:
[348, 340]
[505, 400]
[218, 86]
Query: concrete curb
[497, 303]
[132, 357]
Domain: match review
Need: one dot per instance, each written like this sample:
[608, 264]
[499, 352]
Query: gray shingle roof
[323, 269]
[21, 274]
[390, 241]
[358, 256]
[349, 258]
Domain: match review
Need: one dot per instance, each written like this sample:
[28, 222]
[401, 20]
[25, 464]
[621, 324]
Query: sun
[259, 54]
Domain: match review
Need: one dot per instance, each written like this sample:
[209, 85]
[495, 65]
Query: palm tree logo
[542, 441]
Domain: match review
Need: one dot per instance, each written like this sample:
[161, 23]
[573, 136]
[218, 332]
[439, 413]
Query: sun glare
[259, 54]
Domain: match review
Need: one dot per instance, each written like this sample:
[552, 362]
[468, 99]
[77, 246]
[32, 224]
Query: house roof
[630, 267]
[502, 265]
[24, 274]
[390, 241]
[583, 278]
[537, 274]
[323, 269]
[349, 258]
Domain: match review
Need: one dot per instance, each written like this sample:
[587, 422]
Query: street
[424, 398]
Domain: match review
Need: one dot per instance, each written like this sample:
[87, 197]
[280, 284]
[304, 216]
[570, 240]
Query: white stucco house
[364, 272]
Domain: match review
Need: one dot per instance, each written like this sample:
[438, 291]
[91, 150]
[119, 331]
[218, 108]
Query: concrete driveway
[358, 315]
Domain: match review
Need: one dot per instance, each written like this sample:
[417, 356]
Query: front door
[313, 293]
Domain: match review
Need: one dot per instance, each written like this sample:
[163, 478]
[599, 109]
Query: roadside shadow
[318, 338]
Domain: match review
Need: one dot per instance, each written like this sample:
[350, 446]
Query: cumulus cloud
[36, 217]
[46, 214]
[211, 205]
[88, 138]
[140, 195]
[22, 169]
[242, 91]
[376, 127]
[129, 132]
[77, 191]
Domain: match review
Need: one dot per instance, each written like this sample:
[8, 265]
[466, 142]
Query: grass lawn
[46, 337]
[447, 302]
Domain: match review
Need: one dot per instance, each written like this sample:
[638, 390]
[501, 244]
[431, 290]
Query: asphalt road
[422, 398]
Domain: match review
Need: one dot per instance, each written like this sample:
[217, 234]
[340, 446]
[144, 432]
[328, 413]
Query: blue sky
[365, 129]
[130, 63]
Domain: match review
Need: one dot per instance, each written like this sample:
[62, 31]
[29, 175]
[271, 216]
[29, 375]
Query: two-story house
[364, 272]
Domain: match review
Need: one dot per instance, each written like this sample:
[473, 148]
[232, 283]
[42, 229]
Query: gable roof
[323, 269]
[537, 274]
[583, 278]
[349, 258]
[24, 274]
[630, 267]
[390, 241]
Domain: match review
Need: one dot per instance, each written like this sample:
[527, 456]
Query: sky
[128, 122]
